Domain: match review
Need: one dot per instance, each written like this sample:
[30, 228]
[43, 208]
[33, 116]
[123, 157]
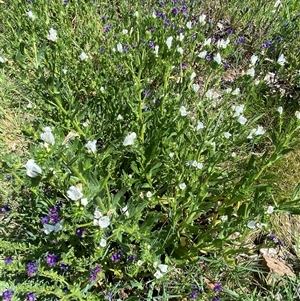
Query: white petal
[183, 111]
[91, 145]
[182, 186]
[103, 243]
[169, 42]
[251, 224]
[32, 169]
[280, 110]
[163, 268]
[242, 120]
[217, 58]
[74, 193]
[84, 201]
[129, 139]
[97, 213]
[270, 210]
[158, 274]
[104, 222]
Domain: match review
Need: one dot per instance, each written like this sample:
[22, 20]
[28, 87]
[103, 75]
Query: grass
[207, 259]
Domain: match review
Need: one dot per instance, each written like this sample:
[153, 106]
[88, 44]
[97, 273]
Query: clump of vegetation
[154, 130]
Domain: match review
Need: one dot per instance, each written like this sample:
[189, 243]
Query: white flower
[193, 75]
[183, 111]
[195, 87]
[270, 209]
[199, 165]
[189, 24]
[156, 48]
[2, 60]
[149, 194]
[52, 228]
[182, 186]
[280, 110]
[251, 224]
[47, 136]
[74, 193]
[103, 243]
[171, 155]
[224, 218]
[207, 42]
[32, 169]
[158, 274]
[202, 54]
[211, 94]
[125, 31]
[227, 135]
[250, 72]
[29, 105]
[217, 58]
[163, 268]
[104, 222]
[169, 42]
[281, 60]
[236, 91]
[242, 120]
[84, 202]
[180, 50]
[86, 123]
[199, 126]
[233, 154]
[250, 136]
[222, 43]
[119, 47]
[202, 18]
[139, 263]
[181, 36]
[136, 14]
[91, 145]
[253, 59]
[83, 56]
[125, 210]
[64, 71]
[97, 213]
[129, 139]
[259, 131]
[238, 110]
[52, 36]
[119, 117]
[30, 15]
[297, 114]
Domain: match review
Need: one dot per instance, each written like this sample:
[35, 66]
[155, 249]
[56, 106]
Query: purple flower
[5, 209]
[80, 232]
[208, 57]
[183, 65]
[151, 43]
[267, 44]
[8, 260]
[216, 298]
[7, 295]
[63, 266]
[31, 268]
[30, 296]
[241, 40]
[94, 272]
[183, 8]
[132, 257]
[115, 257]
[45, 219]
[175, 11]
[229, 31]
[217, 287]
[52, 259]
[151, 28]
[167, 23]
[193, 295]
[53, 210]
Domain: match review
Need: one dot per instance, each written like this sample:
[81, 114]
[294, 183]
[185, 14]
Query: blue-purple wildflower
[94, 272]
[30, 296]
[8, 260]
[32, 268]
[7, 295]
[52, 259]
